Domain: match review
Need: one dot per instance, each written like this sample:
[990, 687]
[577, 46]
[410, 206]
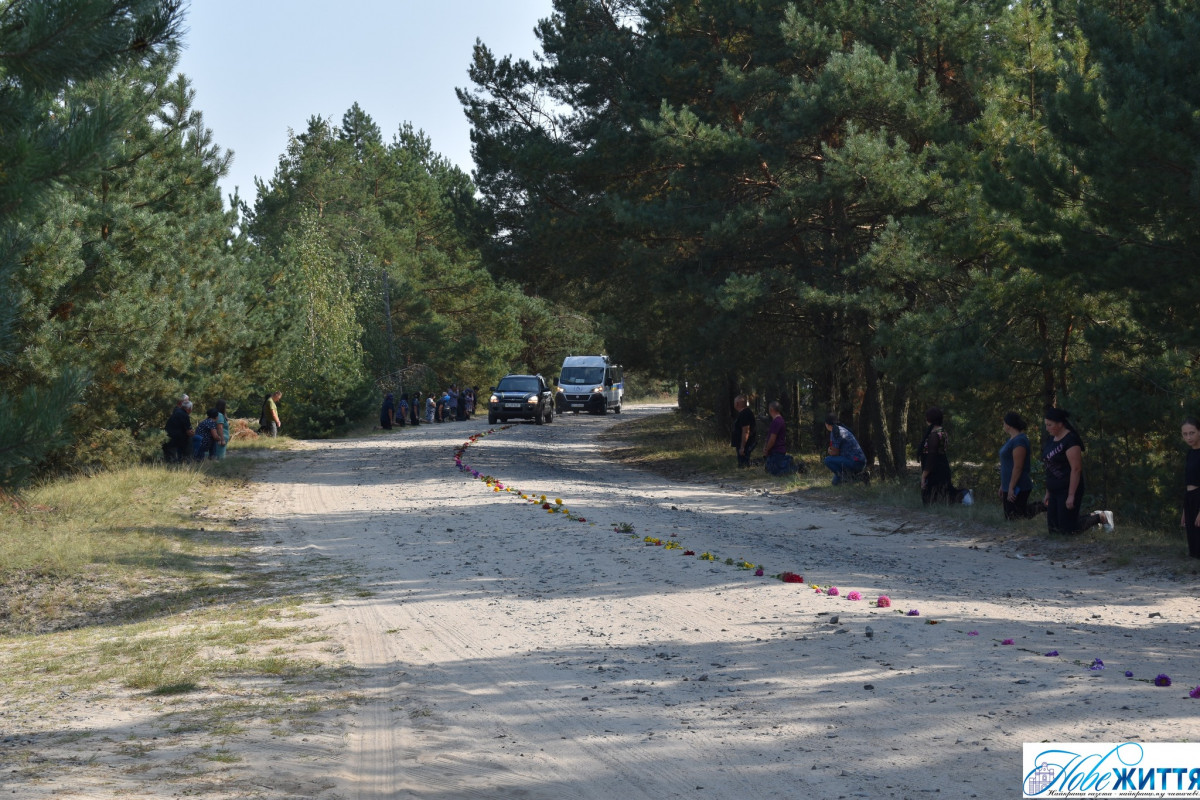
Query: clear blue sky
[260, 67]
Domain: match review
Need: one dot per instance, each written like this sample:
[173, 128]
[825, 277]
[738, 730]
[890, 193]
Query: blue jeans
[843, 465]
[743, 459]
[780, 464]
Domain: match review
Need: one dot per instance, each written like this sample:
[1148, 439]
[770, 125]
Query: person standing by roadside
[775, 450]
[744, 436]
[208, 433]
[414, 409]
[846, 458]
[936, 484]
[387, 413]
[268, 418]
[1015, 482]
[178, 447]
[1062, 454]
[223, 421]
[1190, 519]
[402, 410]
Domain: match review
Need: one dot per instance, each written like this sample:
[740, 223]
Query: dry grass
[243, 435]
[684, 447]
[118, 545]
[139, 576]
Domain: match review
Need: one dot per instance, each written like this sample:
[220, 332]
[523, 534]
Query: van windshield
[582, 376]
[522, 384]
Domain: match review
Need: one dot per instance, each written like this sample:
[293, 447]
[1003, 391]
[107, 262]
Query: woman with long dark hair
[936, 484]
[1062, 455]
[223, 422]
[1190, 519]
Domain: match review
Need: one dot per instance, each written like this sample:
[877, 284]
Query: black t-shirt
[1191, 471]
[745, 418]
[1058, 468]
[179, 423]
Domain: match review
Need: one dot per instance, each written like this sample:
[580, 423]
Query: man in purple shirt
[778, 461]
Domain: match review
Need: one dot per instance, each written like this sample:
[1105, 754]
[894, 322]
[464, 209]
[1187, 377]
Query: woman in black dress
[1062, 455]
[935, 462]
[1190, 519]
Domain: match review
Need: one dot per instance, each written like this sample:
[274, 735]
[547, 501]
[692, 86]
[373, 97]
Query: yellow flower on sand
[558, 501]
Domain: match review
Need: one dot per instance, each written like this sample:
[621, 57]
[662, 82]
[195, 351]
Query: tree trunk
[873, 413]
[901, 399]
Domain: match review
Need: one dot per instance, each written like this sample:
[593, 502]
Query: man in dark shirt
[179, 432]
[744, 436]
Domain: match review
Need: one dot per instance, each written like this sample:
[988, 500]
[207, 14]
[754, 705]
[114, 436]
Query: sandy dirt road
[505, 652]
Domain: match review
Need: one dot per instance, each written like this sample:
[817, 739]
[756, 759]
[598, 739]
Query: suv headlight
[533, 399]
[493, 399]
[597, 390]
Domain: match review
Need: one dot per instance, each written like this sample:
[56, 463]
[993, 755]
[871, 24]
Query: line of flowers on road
[557, 506]
[554, 506]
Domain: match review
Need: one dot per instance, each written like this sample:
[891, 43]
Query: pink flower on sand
[833, 591]
[884, 601]
[854, 596]
[1008, 641]
[1195, 693]
[972, 633]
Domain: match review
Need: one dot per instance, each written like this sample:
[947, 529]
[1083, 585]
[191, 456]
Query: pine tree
[751, 172]
[396, 219]
[47, 46]
[134, 279]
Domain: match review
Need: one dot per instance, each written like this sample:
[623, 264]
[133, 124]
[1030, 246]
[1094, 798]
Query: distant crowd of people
[454, 404]
[1061, 457]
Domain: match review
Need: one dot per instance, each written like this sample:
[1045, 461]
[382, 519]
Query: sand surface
[501, 651]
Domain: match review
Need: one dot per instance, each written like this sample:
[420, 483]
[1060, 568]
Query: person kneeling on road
[846, 458]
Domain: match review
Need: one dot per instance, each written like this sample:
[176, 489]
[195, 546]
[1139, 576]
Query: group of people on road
[1061, 457]
[451, 405]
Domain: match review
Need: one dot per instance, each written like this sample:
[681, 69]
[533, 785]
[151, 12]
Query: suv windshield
[523, 384]
[582, 376]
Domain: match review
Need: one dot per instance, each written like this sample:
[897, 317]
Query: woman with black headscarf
[1062, 455]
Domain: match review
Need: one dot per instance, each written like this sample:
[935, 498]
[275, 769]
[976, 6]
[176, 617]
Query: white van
[591, 383]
